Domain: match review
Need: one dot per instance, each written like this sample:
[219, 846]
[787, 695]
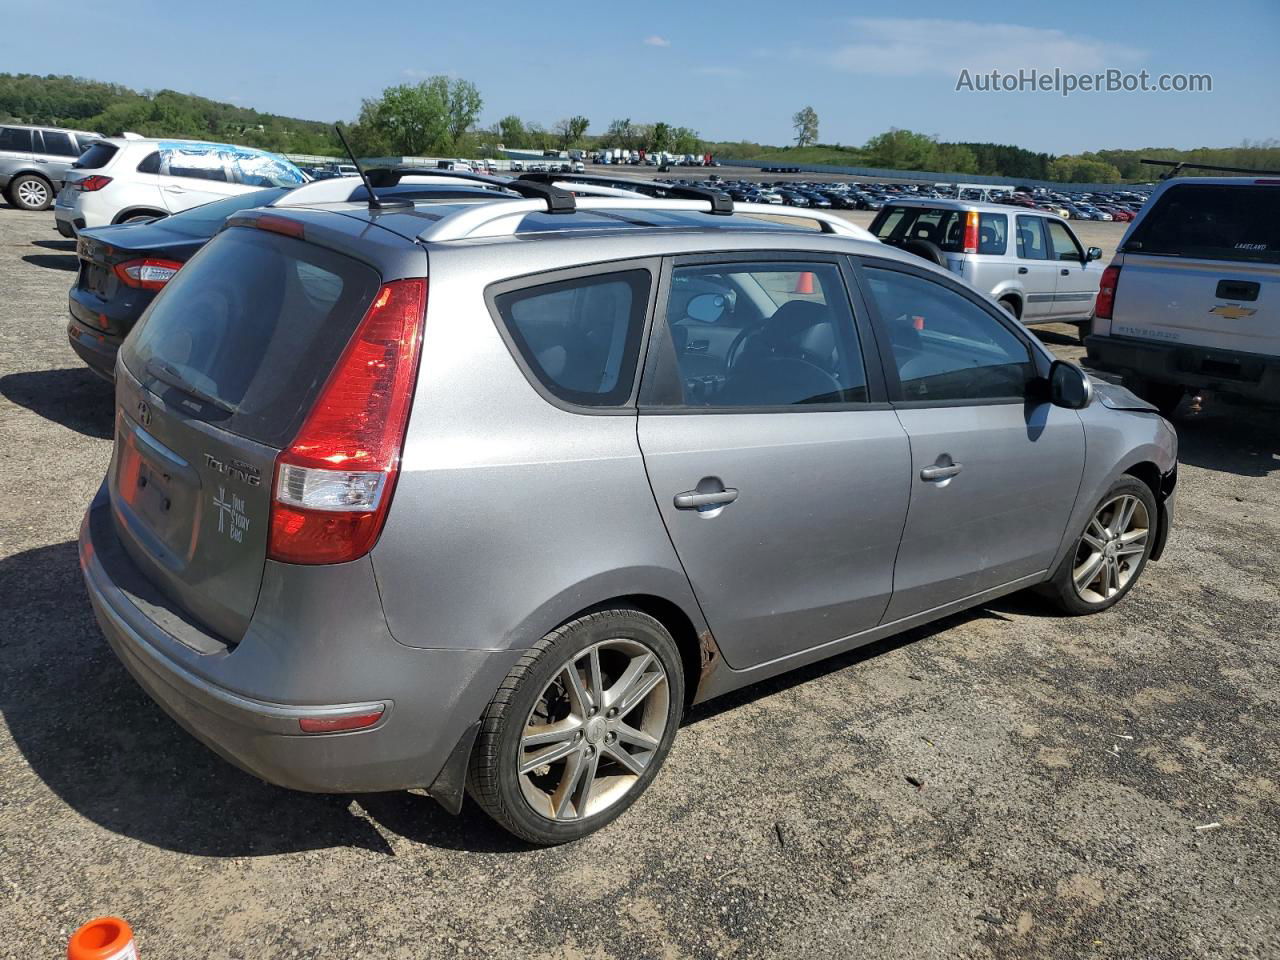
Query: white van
[1192, 298]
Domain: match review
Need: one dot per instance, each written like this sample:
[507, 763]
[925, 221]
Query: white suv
[125, 179]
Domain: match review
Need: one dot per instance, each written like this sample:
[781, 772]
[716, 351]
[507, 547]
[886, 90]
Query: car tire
[1010, 306]
[140, 216]
[550, 803]
[30, 192]
[1110, 553]
[1165, 397]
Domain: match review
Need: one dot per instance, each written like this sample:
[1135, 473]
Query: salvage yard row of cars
[461, 485]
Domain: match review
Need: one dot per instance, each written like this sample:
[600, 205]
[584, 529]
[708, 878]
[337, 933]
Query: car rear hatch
[125, 263]
[215, 380]
[1202, 268]
[93, 160]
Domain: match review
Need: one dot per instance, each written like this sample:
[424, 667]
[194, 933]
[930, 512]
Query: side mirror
[707, 307]
[1069, 386]
[1095, 253]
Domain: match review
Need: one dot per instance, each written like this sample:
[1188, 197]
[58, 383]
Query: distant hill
[111, 109]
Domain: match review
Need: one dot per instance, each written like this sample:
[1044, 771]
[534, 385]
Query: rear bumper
[67, 221]
[94, 348]
[431, 698]
[1249, 375]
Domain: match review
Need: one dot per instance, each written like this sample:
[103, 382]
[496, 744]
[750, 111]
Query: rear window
[944, 228]
[581, 337]
[96, 157]
[12, 138]
[206, 219]
[1212, 222]
[254, 321]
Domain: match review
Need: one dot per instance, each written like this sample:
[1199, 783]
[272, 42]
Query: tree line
[440, 116]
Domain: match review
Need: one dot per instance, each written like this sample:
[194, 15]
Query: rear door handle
[940, 473]
[1066, 272]
[692, 499]
[1022, 269]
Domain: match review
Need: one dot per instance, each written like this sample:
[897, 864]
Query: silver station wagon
[481, 495]
[1028, 261]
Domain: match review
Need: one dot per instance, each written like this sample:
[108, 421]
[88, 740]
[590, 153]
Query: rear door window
[193, 164]
[942, 228]
[15, 139]
[580, 337]
[1030, 240]
[256, 322]
[993, 233]
[59, 144]
[1213, 222]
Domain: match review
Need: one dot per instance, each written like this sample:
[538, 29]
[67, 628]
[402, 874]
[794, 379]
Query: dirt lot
[1064, 765]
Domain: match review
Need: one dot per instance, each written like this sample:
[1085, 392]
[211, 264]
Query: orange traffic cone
[103, 938]
[804, 283]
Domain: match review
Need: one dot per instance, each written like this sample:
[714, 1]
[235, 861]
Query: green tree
[1083, 168]
[897, 149]
[413, 119]
[463, 103]
[620, 134]
[511, 131]
[805, 122]
[570, 131]
[954, 158]
[660, 139]
[685, 140]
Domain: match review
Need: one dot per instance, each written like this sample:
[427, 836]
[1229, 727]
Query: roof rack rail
[557, 200]
[1177, 166]
[721, 203]
[503, 219]
[351, 189]
[391, 176]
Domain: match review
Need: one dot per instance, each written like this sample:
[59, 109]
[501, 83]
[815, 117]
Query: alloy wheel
[33, 193]
[593, 730]
[1111, 549]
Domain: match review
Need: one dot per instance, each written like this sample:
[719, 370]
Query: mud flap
[450, 784]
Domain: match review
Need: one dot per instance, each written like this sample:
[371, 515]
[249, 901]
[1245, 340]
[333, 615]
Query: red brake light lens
[971, 232]
[1106, 301]
[148, 273]
[93, 183]
[276, 224]
[333, 484]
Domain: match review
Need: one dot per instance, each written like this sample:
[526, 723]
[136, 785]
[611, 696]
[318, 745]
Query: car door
[1039, 275]
[994, 468]
[782, 478]
[55, 151]
[1077, 282]
[194, 174]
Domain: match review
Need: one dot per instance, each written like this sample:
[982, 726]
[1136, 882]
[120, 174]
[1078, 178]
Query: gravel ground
[1005, 783]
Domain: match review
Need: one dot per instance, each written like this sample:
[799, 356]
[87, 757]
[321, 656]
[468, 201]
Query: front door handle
[692, 499]
[940, 473]
[1066, 272]
[173, 189]
[1022, 269]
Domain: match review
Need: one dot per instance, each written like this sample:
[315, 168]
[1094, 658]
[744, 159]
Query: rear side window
[59, 144]
[943, 228]
[96, 157]
[255, 321]
[12, 138]
[581, 337]
[993, 233]
[1212, 222]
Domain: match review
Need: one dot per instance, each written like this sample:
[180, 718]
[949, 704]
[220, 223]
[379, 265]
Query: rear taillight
[971, 232]
[147, 274]
[333, 484]
[1106, 301]
[90, 184]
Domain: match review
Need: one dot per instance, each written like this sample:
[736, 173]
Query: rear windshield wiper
[167, 374]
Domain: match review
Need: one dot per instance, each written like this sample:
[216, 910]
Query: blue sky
[729, 70]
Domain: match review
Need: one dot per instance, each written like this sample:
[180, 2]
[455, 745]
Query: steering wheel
[739, 341]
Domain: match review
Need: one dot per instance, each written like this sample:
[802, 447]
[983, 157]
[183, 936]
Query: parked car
[362, 534]
[1189, 301]
[34, 161]
[122, 180]
[1029, 262]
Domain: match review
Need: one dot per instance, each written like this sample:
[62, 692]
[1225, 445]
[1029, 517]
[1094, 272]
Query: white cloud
[657, 41]
[891, 46]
